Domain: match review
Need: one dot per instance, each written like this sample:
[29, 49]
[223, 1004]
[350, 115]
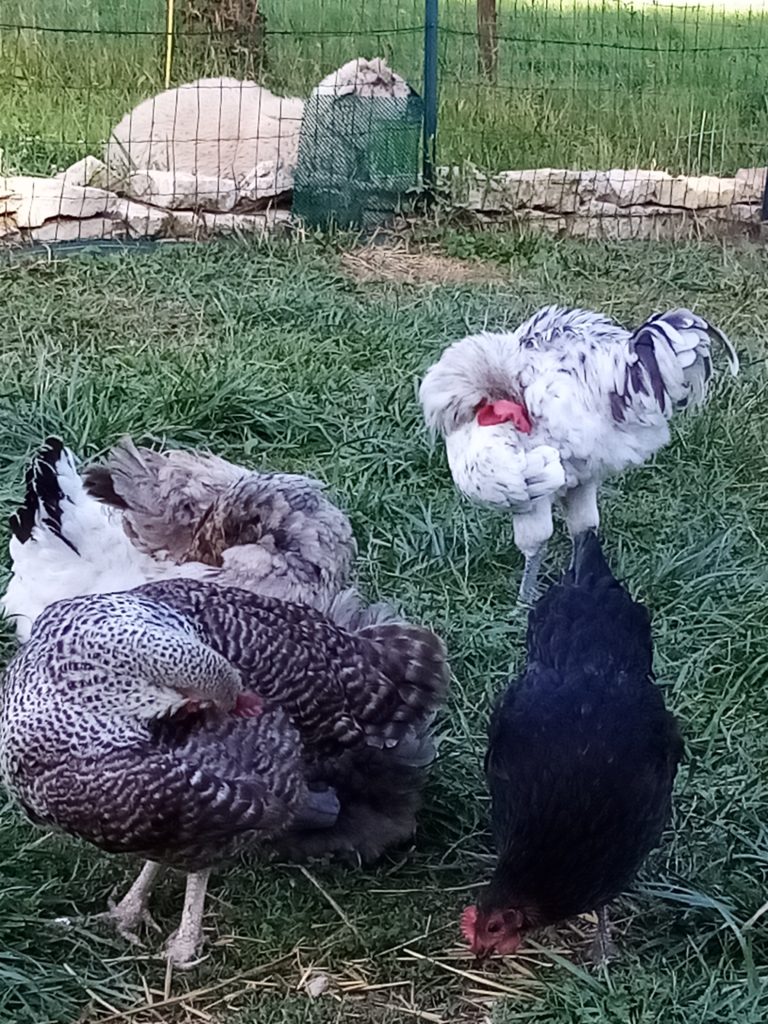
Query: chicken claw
[127, 916]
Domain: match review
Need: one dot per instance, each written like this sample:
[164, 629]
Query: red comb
[469, 923]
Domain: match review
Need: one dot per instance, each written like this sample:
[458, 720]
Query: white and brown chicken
[549, 411]
[147, 515]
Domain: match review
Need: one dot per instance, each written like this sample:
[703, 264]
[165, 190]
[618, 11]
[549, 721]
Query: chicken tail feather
[413, 659]
[46, 490]
[589, 562]
[674, 357]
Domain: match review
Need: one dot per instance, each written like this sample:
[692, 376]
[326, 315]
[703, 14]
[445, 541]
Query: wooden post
[486, 38]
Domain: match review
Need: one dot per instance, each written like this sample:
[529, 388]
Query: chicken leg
[529, 589]
[132, 911]
[533, 530]
[183, 947]
[603, 948]
[580, 508]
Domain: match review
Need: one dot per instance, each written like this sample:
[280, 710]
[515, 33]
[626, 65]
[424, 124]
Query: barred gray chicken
[184, 721]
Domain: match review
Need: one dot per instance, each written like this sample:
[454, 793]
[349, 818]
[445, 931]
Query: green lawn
[273, 357]
[579, 84]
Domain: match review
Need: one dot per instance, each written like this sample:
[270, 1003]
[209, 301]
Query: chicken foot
[184, 945]
[132, 911]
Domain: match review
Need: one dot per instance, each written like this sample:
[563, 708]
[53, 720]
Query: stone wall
[79, 205]
[82, 204]
[615, 204]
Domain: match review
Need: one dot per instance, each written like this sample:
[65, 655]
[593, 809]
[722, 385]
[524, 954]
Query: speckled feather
[79, 753]
[277, 529]
[95, 738]
[598, 398]
[597, 394]
[339, 687]
[180, 516]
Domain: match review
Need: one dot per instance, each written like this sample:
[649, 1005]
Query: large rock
[544, 188]
[181, 190]
[638, 187]
[269, 181]
[33, 201]
[68, 229]
[245, 223]
[88, 171]
[609, 222]
[623, 187]
[139, 220]
[696, 193]
[750, 184]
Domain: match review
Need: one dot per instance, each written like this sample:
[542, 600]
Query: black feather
[644, 341]
[98, 482]
[43, 496]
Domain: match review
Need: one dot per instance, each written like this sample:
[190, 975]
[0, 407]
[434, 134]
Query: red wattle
[490, 414]
[468, 924]
[247, 705]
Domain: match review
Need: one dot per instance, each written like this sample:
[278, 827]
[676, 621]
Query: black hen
[581, 760]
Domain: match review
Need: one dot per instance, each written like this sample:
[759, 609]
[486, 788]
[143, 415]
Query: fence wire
[648, 90]
[598, 85]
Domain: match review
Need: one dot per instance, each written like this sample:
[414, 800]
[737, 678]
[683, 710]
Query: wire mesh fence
[650, 91]
[70, 69]
[598, 85]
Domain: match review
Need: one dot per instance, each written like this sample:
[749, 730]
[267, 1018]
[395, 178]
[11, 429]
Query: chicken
[581, 760]
[145, 516]
[185, 721]
[551, 410]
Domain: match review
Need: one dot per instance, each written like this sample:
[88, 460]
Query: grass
[579, 84]
[274, 357]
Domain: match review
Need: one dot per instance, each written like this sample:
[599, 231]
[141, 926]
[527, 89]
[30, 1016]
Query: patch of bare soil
[399, 265]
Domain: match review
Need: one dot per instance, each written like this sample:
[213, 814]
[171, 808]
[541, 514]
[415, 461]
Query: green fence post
[430, 90]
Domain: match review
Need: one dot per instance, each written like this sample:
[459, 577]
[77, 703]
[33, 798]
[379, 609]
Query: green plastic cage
[359, 159]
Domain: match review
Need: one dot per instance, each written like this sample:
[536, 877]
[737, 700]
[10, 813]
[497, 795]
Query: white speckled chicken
[554, 408]
[145, 516]
[184, 721]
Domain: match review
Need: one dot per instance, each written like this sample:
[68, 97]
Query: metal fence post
[430, 90]
[765, 199]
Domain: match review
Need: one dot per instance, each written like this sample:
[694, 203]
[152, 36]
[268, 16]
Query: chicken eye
[494, 926]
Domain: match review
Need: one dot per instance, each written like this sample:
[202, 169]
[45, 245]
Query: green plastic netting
[359, 158]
